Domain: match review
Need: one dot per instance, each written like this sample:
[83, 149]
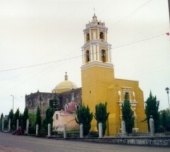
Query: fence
[140, 128]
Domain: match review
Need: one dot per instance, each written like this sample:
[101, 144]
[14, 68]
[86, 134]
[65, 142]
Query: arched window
[101, 35]
[76, 106]
[56, 116]
[127, 95]
[65, 107]
[87, 56]
[87, 37]
[103, 55]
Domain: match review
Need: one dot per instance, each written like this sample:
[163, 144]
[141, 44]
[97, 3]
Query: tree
[25, 117]
[49, 116]
[101, 115]
[5, 124]
[32, 120]
[151, 109]
[38, 118]
[48, 119]
[2, 116]
[84, 116]
[127, 114]
[16, 116]
[21, 121]
[164, 119]
[11, 116]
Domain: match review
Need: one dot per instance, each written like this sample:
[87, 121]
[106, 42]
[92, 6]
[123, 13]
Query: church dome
[65, 85]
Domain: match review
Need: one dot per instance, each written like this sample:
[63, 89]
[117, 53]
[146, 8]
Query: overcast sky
[40, 40]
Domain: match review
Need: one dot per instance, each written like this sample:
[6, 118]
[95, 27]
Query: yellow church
[99, 83]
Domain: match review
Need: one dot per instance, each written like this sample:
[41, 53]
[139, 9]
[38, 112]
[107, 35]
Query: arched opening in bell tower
[87, 56]
[103, 55]
[87, 37]
[101, 36]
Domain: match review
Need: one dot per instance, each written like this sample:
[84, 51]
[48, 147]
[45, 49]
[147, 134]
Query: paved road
[11, 143]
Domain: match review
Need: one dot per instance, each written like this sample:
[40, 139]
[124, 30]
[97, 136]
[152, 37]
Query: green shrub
[42, 133]
[84, 116]
[101, 115]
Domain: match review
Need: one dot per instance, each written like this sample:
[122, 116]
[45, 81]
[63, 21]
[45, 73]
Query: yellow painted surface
[100, 85]
[95, 83]
[62, 90]
[64, 86]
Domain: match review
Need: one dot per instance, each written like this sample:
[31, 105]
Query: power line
[41, 64]
[130, 13]
[79, 56]
[138, 41]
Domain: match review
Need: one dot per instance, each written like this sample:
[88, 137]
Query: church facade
[98, 82]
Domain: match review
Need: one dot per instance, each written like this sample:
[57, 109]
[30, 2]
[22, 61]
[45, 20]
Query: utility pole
[167, 91]
[169, 9]
[12, 102]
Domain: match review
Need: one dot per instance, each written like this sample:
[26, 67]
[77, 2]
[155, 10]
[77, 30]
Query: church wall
[60, 119]
[40, 99]
[100, 86]
[65, 97]
[136, 98]
[132, 86]
[97, 87]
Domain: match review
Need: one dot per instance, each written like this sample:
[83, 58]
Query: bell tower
[95, 48]
[97, 71]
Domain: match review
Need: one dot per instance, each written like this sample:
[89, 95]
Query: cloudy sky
[41, 39]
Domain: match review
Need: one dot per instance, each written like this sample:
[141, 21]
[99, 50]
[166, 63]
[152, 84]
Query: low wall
[142, 141]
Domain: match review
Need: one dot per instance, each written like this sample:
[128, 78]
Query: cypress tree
[11, 116]
[101, 115]
[151, 108]
[25, 117]
[2, 116]
[84, 116]
[38, 118]
[127, 114]
[49, 117]
[16, 116]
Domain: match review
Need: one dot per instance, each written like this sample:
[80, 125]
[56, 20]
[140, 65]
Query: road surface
[13, 143]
